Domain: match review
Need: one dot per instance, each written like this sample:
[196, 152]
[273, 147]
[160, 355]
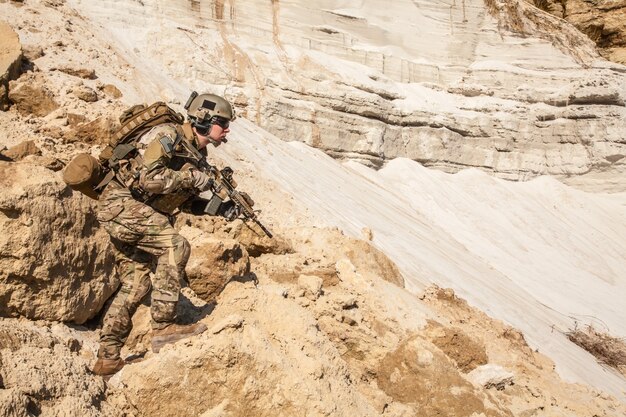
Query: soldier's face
[215, 136]
[218, 133]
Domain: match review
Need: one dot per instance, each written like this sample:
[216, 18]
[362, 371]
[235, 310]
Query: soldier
[137, 209]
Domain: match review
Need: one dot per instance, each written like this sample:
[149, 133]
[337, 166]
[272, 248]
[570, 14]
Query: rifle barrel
[267, 232]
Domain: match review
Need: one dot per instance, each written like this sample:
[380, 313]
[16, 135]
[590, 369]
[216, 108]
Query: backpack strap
[122, 150]
[107, 179]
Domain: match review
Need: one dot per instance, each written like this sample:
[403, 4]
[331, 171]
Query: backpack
[89, 175]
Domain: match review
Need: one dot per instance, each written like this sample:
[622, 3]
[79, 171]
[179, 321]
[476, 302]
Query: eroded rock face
[351, 347]
[22, 150]
[31, 96]
[603, 21]
[42, 373]
[54, 261]
[247, 364]
[467, 93]
[10, 61]
[354, 346]
[214, 262]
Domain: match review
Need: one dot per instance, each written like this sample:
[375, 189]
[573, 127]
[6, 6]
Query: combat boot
[173, 333]
[107, 367]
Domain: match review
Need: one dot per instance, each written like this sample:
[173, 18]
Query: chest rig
[162, 145]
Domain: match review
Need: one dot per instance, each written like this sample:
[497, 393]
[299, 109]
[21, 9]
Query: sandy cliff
[603, 21]
[337, 315]
[502, 86]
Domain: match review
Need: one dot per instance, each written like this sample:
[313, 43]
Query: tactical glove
[229, 211]
[201, 181]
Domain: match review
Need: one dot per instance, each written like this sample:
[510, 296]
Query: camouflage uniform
[140, 235]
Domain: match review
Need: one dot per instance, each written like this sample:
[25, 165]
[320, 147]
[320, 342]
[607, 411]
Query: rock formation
[43, 373]
[31, 96]
[360, 345]
[213, 263]
[478, 90]
[10, 60]
[54, 261]
[603, 21]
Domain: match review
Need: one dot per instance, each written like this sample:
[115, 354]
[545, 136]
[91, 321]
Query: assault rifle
[223, 181]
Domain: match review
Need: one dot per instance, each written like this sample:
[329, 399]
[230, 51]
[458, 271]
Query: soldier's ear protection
[201, 129]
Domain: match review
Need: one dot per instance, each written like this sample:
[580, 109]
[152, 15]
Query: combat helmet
[203, 110]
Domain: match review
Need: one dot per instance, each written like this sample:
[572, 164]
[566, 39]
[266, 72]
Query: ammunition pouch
[213, 205]
[169, 203]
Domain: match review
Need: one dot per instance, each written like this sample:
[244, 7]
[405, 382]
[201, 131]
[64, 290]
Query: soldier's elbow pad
[187, 180]
[153, 186]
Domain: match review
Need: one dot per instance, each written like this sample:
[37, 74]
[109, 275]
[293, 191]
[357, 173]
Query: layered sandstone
[501, 86]
[603, 21]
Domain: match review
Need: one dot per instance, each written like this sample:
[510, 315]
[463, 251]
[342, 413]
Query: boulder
[54, 260]
[257, 242]
[86, 73]
[10, 61]
[111, 91]
[22, 150]
[213, 263]
[97, 131]
[31, 96]
[310, 286]
[491, 376]
[85, 93]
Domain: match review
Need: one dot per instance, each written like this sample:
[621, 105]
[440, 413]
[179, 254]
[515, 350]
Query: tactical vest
[131, 169]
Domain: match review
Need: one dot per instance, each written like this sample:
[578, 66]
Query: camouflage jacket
[158, 178]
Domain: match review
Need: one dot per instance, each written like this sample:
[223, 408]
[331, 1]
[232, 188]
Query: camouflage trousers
[141, 237]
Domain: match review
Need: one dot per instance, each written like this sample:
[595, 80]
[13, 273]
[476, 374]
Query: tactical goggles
[220, 121]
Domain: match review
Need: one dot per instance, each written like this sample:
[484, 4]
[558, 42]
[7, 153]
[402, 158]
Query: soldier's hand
[229, 210]
[201, 181]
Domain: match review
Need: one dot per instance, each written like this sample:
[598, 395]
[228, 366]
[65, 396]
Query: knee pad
[182, 250]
